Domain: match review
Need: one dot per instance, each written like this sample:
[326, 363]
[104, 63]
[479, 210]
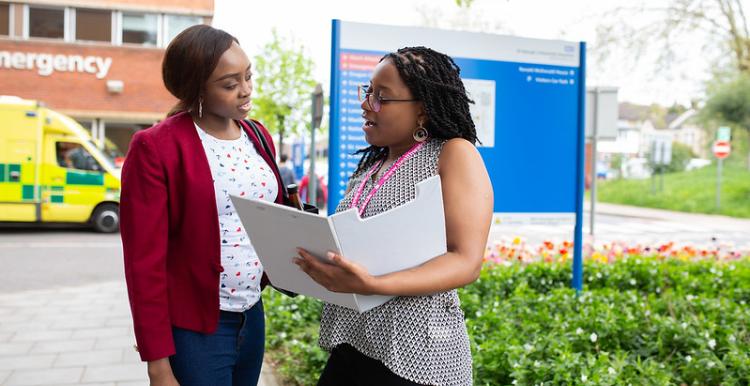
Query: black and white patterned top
[420, 338]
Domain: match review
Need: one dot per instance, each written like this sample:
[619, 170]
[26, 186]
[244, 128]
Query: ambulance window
[72, 155]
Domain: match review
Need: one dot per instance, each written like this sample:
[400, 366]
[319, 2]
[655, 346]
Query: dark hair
[283, 158]
[433, 78]
[190, 59]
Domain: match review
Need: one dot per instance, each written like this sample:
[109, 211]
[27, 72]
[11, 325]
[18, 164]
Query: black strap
[285, 194]
[267, 149]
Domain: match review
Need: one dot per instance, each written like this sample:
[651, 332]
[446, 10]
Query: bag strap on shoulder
[267, 150]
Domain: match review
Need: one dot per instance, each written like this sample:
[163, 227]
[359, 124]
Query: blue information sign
[528, 110]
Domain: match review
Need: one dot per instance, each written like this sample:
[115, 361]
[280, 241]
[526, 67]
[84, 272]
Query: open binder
[401, 238]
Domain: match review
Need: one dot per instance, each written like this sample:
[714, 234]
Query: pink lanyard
[388, 174]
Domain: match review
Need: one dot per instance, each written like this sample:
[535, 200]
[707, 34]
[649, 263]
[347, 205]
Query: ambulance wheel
[106, 218]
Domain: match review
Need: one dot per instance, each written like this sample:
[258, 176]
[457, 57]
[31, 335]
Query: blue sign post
[528, 111]
[298, 157]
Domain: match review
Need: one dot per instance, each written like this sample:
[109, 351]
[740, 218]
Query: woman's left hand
[338, 274]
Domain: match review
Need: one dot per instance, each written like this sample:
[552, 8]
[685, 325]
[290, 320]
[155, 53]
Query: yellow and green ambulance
[51, 171]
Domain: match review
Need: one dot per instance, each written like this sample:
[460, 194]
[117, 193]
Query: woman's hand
[338, 274]
[160, 373]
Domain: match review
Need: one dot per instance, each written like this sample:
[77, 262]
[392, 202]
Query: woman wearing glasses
[418, 124]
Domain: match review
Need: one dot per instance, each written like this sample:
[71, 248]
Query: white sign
[483, 109]
[602, 103]
[46, 64]
[388, 38]
[661, 150]
[722, 149]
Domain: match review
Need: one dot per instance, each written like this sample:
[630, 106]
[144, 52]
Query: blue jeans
[232, 356]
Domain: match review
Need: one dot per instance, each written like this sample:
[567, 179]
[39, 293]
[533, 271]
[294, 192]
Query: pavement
[78, 335]
[622, 223]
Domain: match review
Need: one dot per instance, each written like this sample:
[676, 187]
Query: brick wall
[138, 68]
[203, 7]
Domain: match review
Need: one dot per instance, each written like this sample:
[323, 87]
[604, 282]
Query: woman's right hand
[160, 373]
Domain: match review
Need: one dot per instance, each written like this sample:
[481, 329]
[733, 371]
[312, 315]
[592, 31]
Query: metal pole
[316, 115]
[594, 134]
[718, 183]
[577, 281]
[312, 180]
[661, 180]
[655, 167]
[663, 165]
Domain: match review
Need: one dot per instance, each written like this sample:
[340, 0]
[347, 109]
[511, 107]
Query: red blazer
[170, 233]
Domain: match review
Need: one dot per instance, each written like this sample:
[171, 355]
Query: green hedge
[640, 321]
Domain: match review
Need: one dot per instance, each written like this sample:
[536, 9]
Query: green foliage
[616, 163]
[283, 84]
[640, 321]
[730, 102]
[464, 3]
[292, 337]
[693, 191]
[681, 154]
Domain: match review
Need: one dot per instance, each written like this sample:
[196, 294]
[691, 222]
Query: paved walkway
[72, 336]
[722, 222]
[643, 226]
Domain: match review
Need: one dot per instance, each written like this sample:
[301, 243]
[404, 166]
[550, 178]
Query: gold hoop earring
[421, 134]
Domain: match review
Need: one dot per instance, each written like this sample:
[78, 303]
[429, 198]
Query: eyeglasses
[375, 102]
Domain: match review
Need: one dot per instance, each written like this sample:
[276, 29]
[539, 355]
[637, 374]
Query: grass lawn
[693, 191]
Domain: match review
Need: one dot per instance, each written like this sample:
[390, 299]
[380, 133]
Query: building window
[46, 23]
[4, 19]
[140, 28]
[93, 25]
[176, 24]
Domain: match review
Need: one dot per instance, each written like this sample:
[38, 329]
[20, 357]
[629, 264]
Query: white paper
[401, 238]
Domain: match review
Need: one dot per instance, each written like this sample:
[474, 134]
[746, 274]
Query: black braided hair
[433, 78]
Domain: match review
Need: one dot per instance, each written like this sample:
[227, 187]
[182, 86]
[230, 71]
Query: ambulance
[51, 171]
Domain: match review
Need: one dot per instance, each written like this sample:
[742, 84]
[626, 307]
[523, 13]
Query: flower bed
[676, 316]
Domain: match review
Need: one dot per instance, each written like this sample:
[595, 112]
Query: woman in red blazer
[193, 277]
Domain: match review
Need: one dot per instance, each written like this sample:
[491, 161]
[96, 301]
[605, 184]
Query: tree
[723, 22]
[464, 3]
[729, 103]
[465, 18]
[283, 86]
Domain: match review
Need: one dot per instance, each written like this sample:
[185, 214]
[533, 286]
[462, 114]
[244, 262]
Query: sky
[638, 78]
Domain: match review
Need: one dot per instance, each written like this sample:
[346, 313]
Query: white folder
[398, 239]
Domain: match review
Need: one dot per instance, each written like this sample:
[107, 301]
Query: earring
[421, 134]
[200, 107]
